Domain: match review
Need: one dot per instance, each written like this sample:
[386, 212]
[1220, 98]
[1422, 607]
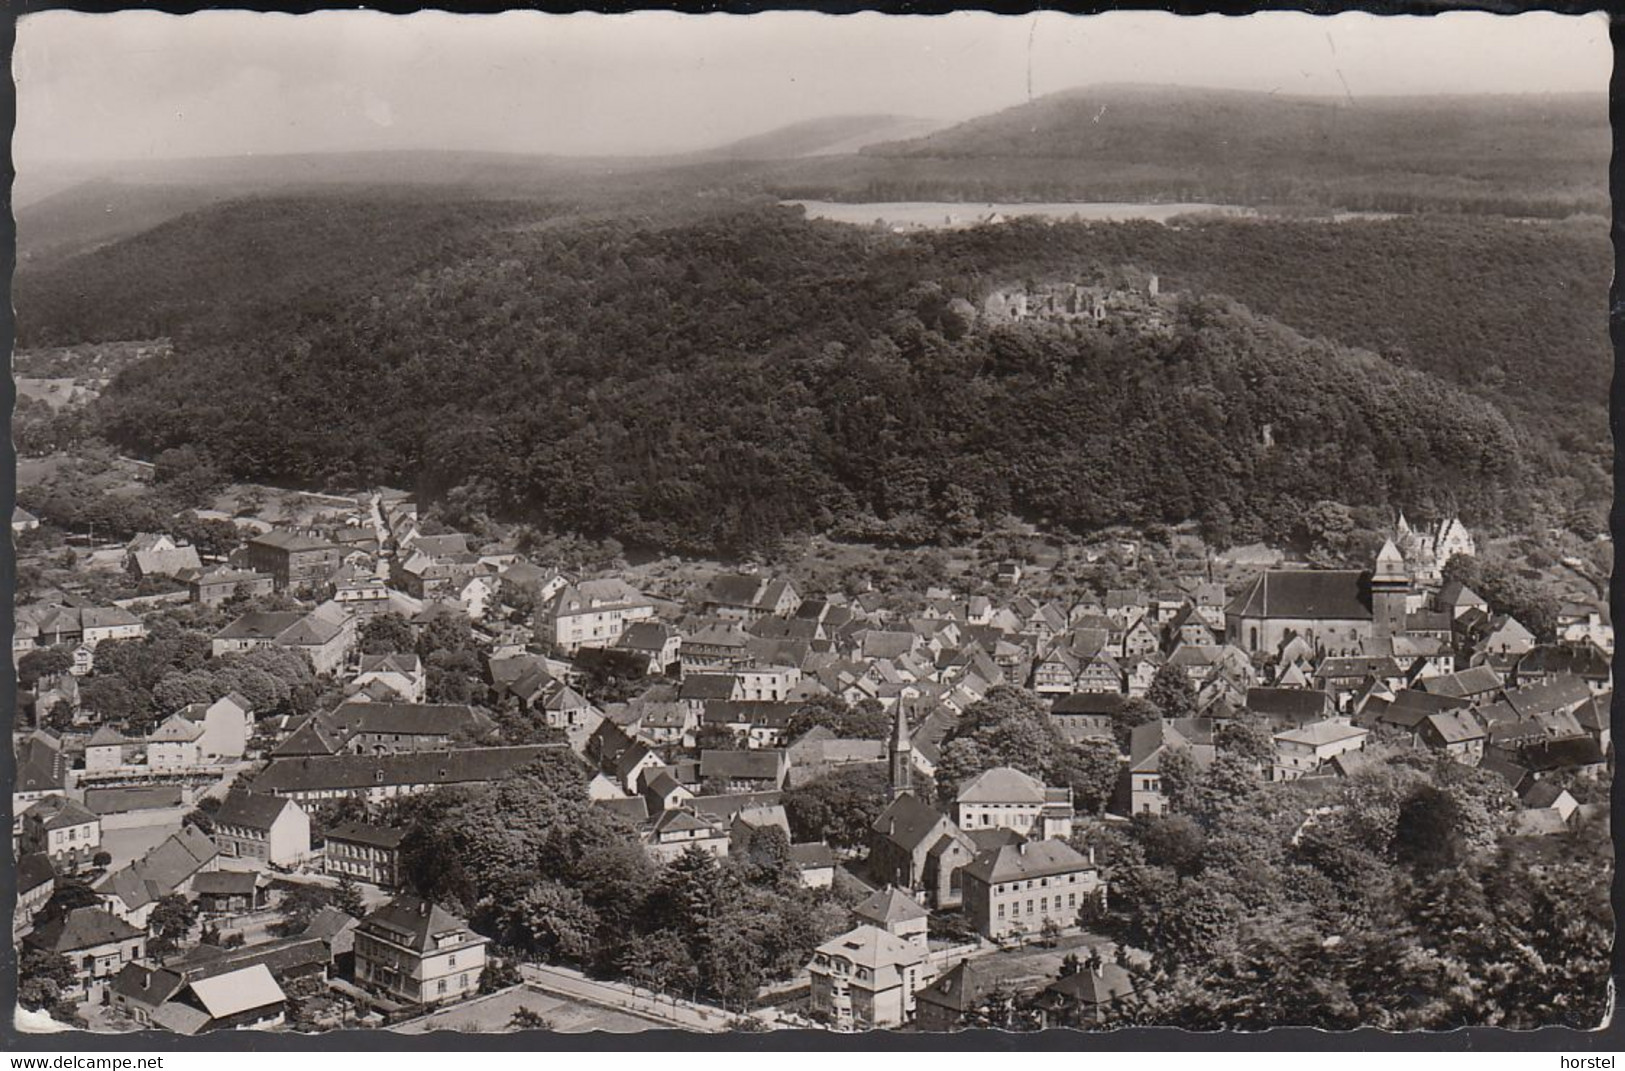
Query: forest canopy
[715, 384]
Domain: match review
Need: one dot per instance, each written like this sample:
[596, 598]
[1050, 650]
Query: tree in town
[170, 924]
[347, 897]
[388, 633]
[1171, 693]
[864, 721]
[1134, 713]
[297, 906]
[1092, 768]
[839, 807]
[42, 977]
[42, 664]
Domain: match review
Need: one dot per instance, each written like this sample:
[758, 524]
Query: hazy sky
[139, 85]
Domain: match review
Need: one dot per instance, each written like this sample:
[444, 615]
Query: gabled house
[415, 952]
[227, 723]
[42, 770]
[657, 644]
[262, 827]
[402, 674]
[675, 831]
[132, 892]
[1149, 744]
[36, 881]
[62, 830]
[1092, 996]
[165, 561]
[1006, 798]
[95, 943]
[741, 597]
[1457, 733]
[229, 892]
[173, 746]
[244, 999]
[1308, 750]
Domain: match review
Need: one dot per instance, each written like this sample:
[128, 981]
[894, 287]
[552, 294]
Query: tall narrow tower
[901, 754]
[1390, 586]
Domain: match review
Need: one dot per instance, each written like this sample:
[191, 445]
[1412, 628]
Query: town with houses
[228, 861]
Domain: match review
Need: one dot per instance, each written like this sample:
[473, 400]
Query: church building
[1333, 610]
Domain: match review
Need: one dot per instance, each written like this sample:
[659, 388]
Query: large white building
[1299, 752]
[592, 613]
[1006, 798]
[866, 979]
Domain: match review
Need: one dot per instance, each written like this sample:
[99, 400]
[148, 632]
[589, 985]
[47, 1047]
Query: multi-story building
[371, 854]
[415, 952]
[63, 830]
[866, 979]
[223, 583]
[173, 746]
[767, 684]
[1015, 890]
[293, 560]
[722, 649]
[1300, 752]
[1006, 798]
[741, 597]
[263, 827]
[592, 613]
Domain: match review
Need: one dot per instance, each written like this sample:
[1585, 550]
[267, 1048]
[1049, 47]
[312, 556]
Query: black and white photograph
[801, 522]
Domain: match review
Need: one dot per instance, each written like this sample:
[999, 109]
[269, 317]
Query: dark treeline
[720, 384]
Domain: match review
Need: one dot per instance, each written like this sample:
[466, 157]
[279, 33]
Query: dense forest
[719, 381]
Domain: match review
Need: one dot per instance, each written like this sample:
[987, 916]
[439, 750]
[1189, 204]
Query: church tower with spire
[901, 754]
[1390, 589]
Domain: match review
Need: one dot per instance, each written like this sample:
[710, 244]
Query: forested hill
[716, 385]
[1509, 155]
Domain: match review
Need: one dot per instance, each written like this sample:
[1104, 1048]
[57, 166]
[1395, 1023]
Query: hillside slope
[836, 134]
[715, 386]
[1512, 155]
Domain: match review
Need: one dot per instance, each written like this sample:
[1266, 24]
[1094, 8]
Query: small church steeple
[901, 754]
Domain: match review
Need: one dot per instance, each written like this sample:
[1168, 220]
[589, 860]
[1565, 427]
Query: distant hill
[829, 136]
[103, 208]
[1509, 155]
[90, 214]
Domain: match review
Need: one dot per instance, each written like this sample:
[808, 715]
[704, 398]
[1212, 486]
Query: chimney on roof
[423, 908]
